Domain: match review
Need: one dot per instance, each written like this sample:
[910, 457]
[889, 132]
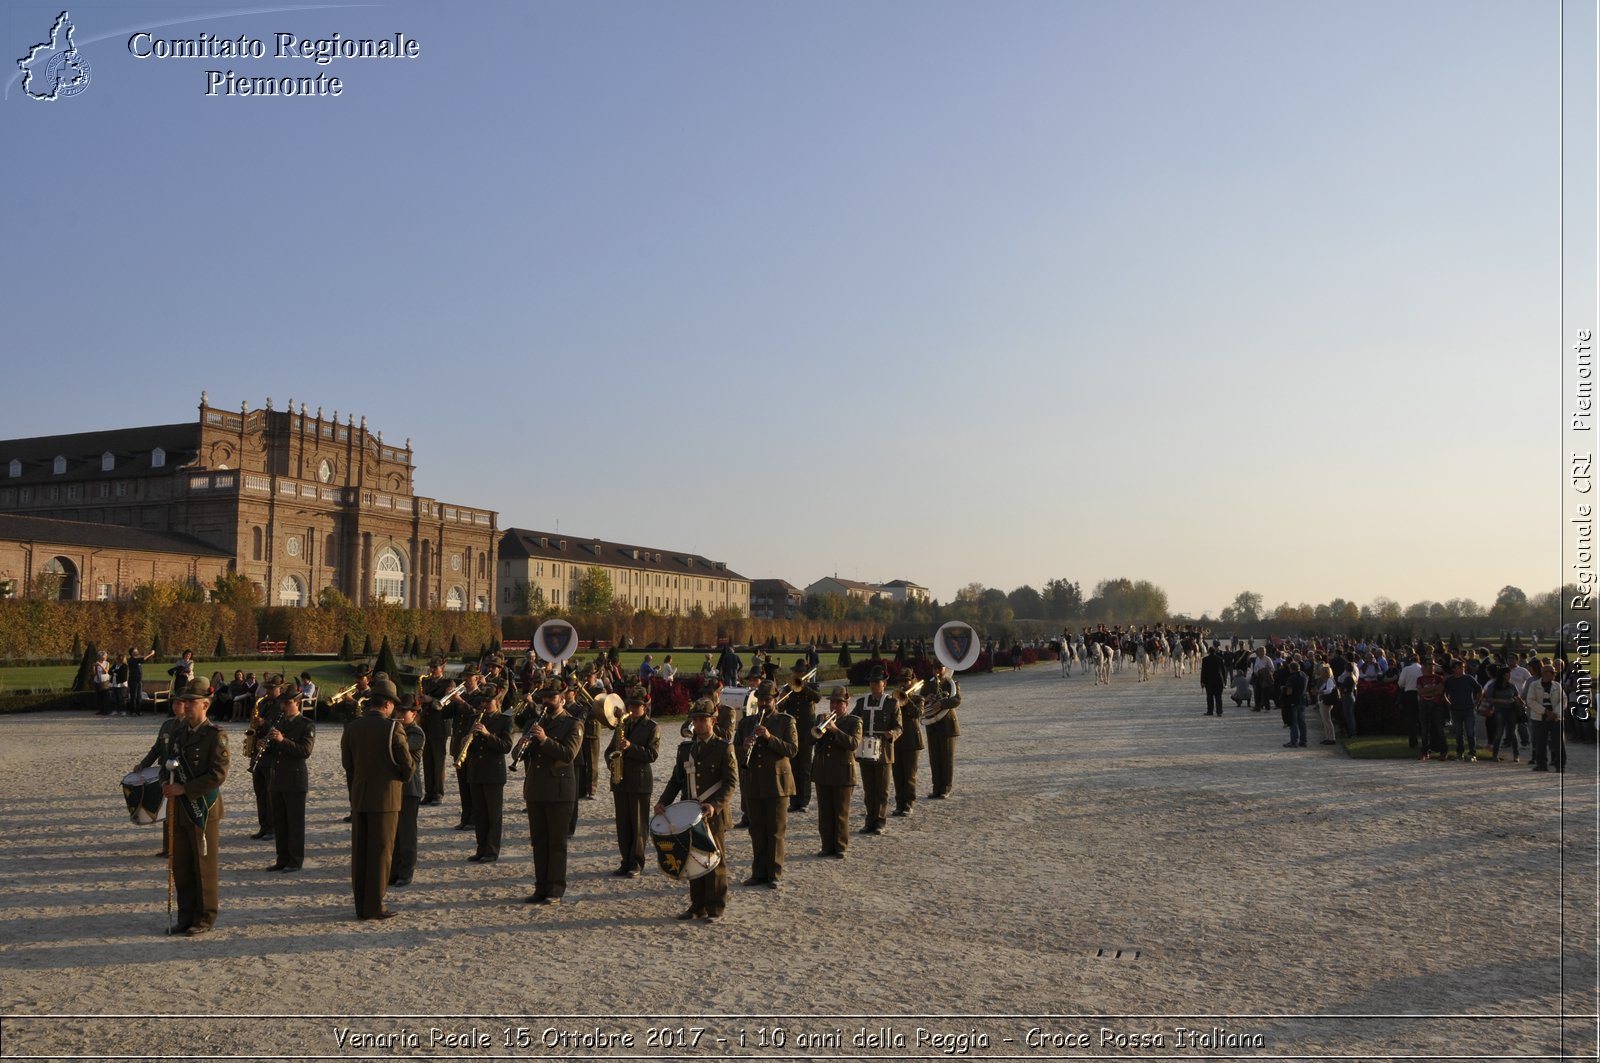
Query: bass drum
[142, 791]
[684, 845]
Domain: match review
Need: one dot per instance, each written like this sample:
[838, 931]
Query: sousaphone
[957, 645]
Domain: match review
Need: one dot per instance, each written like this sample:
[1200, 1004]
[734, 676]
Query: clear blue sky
[1223, 295]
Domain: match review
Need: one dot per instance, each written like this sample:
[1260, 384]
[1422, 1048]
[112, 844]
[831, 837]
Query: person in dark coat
[765, 743]
[550, 790]
[705, 772]
[194, 800]
[1214, 678]
[833, 771]
[634, 746]
[290, 742]
[404, 865]
[485, 776]
[377, 760]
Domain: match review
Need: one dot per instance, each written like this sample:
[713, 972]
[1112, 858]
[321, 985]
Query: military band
[263, 718]
[387, 748]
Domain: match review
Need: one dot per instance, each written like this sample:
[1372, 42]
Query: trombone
[805, 681]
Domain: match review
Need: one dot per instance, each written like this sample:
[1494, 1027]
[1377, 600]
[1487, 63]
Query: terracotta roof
[15, 528]
[523, 542]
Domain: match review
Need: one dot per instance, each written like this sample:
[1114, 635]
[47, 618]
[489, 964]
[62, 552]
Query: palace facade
[299, 502]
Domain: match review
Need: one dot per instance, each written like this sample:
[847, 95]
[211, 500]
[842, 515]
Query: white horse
[1103, 658]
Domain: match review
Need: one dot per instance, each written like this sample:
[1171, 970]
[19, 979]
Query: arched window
[291, 591]
[108, 461]
[456, 600]
[60, 465]
[389, 576]
[59, 579]
[158, 458]
[16, 467]
[255, 544]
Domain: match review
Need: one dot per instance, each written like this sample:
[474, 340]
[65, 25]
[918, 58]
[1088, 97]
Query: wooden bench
[517, 645]
[271, 649]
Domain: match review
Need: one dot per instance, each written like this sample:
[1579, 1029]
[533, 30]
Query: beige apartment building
[667, 582]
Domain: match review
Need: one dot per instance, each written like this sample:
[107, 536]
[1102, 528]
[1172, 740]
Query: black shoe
[939, 797]
[774, 883]
[260, 834]
[713, 915]
[1210, 714]
[838, 855]
[548, 900]
[743, 824]
[873, 830]
[1329, 742]
[756, 880]
[463, 825]
[387, 913]
[624, 872]
[198, 929]
[275, 867]
[164, 852]
[533, 898]
[399, 882]
[692, 913]
[181, 928]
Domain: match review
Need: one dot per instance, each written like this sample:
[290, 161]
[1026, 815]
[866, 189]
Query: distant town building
[844, 588]
[663, 581]
[903, 590]
[775, 599]
[73, 561]
[297, 502]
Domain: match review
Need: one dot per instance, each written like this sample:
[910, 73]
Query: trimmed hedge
[49, 702]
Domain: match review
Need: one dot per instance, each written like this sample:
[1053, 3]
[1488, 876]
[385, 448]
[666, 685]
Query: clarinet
[521, 748]
[748, 750]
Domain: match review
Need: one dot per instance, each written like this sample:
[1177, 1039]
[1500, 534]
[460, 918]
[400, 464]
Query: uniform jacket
[289, 774]
[768, 773]
[377, 761]
[1213, 672]
[163, 742]
[945, 695]
[910, 739]
[645, 745]
[886, 725]
[550, 774]
[204, 752]
[833, 758]
[486, 760]
[801, 705]
[416, 741]
[433, 720]
[716, 776]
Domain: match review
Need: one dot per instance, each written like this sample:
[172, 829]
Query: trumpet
[450, 695]
[342, 695]
[823, 723]
[805, 680]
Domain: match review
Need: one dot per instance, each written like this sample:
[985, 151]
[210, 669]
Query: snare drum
[741, 699]
[142, 791]
[871, 748]
[684, 845]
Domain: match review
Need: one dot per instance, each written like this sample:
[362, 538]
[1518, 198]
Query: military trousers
[259, 783]
[488, 814]
[874, 791]
[547, 829]
[802, 771]
[833, 817]
[633, 826]
[289, 826]
[404, 864]
[709, 892]
[905, 779]
[942, 762]
[371, 851]
[769, 822]
[194, 866]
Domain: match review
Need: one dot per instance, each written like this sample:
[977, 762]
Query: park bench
[268, 648]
